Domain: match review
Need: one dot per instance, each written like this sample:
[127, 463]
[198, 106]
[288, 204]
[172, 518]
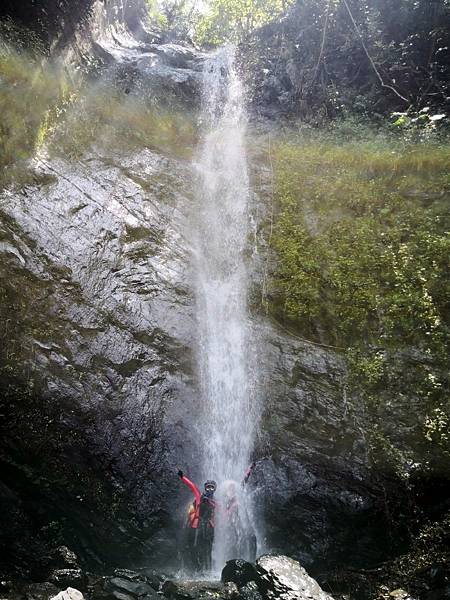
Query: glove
[180, 474]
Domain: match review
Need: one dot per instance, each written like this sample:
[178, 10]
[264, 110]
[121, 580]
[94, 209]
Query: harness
[202, 512]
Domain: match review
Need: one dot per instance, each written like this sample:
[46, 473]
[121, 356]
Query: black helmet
[210, 485]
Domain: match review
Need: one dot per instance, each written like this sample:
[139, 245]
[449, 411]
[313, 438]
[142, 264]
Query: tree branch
[385, 85]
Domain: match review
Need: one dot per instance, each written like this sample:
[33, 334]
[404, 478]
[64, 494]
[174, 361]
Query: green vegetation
[235, 20]
[338, 57]
[27, 93]
[177, 19]
[43, 109]
[217, 22]
[105, 119]
[361, 236]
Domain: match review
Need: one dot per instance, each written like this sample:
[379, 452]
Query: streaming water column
[225, 353]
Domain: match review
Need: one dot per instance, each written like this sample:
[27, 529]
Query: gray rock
[68, 578]
[69, 594]
[164, 72]
[250, 591]
[133, 588]
[230, 591]
[65, 557]
[117, 595]
[128, 574]
[154, 578]
[400, 594]
[193, 590]
[239, 572]
[118, 320]
[284, 578]
[41, 591]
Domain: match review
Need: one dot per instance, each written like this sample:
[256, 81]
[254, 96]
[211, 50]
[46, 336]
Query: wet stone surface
[193, 590]
[103, 260]
[239, 572]
[273, 577]
[283, 578]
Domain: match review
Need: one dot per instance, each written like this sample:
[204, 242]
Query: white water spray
[225, 348]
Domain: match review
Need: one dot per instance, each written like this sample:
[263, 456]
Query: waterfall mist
[225, 355]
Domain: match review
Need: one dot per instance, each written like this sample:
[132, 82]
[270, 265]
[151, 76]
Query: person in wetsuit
[201, 522]
[239, 533]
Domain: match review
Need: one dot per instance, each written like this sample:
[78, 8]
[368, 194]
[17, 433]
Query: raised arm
[194, 489]
[248, 472]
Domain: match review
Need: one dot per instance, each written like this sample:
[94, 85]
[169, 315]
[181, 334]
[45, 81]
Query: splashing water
[225, 355]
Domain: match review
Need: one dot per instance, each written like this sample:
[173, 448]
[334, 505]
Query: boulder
[116, 595]
[284, 578]
[400, 594]
[63, 578]
[128, 574]
[125, 585]
[152, 577]
[64, 558]
[239, 572]
[230, 591]
[69, 594]
[129, 586]
[119, 585]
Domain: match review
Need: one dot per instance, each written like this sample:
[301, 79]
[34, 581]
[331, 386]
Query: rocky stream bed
[269, 578]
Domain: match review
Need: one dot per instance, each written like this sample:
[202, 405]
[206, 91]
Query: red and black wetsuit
[200, 527]
[203, 506]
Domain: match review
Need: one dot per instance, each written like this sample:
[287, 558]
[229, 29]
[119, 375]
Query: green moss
[360, 234]
[44, 110]
[109, 119]
[27, 90]
[361, 225]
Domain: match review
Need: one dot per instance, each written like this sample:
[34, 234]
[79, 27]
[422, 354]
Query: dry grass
[42, 108]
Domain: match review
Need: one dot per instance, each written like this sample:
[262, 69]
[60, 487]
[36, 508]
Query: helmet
[210, 485]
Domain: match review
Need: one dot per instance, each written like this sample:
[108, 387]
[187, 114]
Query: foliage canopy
[215, 22]
[235, 20]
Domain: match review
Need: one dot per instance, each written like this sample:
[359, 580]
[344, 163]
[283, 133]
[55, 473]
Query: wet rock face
[95, 274]
[169, 74]
[47, 17]
[98, 249]
[105, 266]
[315, 483]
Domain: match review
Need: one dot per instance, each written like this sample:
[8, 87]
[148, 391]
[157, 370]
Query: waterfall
[225, 355]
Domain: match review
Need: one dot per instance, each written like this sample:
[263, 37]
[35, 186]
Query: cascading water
[225, 355]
